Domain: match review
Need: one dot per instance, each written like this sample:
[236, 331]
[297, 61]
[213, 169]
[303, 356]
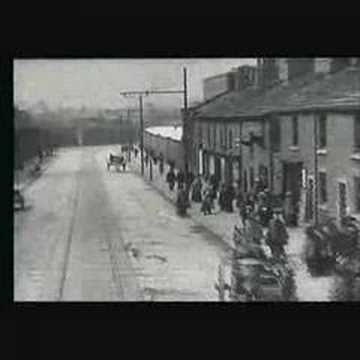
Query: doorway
[292, 179]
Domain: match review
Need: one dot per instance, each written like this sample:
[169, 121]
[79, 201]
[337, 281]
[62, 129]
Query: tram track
[70, 232]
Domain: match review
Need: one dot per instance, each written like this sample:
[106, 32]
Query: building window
[357, 193]
[322, 131]
[357, 133]
[230, 139]
[295, 132]
[221, 137]
[323, 187]
[275, 134]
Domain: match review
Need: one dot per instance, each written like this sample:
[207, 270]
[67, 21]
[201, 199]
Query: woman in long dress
[196, 190]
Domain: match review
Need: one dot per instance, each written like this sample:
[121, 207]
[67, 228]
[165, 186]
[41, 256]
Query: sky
[96, 83]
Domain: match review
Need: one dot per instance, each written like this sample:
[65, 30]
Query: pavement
[24, 178]
[88, 234]
[221, 225]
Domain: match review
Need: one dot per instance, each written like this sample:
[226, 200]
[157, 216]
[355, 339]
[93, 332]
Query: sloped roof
[336, 91]
[172, 132]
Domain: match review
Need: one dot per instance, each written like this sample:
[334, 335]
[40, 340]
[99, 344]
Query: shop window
[322, 131]
[357, 193]
[295, 131]
[357, 133]
[323, 187]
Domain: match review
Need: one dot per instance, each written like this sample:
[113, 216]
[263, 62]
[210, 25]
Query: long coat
[196, 191]
[277, 234]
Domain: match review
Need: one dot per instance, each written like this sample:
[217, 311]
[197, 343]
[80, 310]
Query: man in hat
[180, 178]
[229, 197]
[196, 190]
[221, 199]
[182, 201]
[170, 178]
[277, 235]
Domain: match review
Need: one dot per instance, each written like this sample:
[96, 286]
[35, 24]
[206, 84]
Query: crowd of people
[261, 213]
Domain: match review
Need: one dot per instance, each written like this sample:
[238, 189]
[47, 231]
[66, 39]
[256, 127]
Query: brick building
[276, 116]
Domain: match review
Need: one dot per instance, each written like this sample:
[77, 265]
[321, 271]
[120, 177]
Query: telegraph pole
[186, 126]
[120, 123]
[141, 134]
[315, 170]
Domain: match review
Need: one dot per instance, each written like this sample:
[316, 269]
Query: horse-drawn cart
[251, 275]
[115, 161]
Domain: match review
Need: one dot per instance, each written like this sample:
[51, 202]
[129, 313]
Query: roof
[340, 90]
[172, 132]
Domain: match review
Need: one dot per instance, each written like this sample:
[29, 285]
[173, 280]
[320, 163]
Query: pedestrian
[254, 228]
[239, 197]
[277, 235]
[244, 212]
[229, 197]
[249, 201]
[146, 159]
[161, 166]
[123, 163]
[288, 208]
[214, 182]
[206, 206]
[180, 178]
[170, 179]
[196, 190]
[182, 202]
[262, 209]
[222, 195]
[190, 177]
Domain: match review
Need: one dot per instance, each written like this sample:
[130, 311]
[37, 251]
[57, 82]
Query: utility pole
[141, 134]
[120, 123]
[186, 126]
[315, 170]
[129, 127]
